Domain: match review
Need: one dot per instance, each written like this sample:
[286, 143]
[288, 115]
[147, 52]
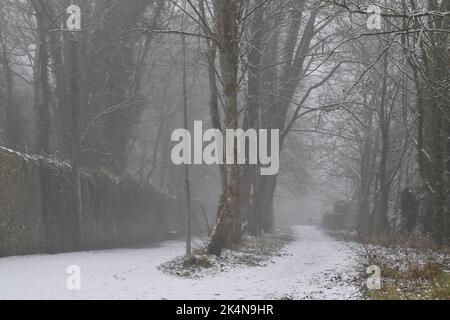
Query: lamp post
[186, 166]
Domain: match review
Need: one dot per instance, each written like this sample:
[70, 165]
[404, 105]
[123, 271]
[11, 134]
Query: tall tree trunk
[227, 32]
[213, 102]
[274, 117]
[249, 179]
[42, 89]
[381, 213]
[13, 120]
[366, 173]
[74, 98]
[63, 113]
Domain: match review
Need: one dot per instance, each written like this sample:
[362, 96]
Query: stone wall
[38, 208]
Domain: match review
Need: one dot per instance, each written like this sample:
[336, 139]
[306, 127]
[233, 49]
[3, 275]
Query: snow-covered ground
[316, 267]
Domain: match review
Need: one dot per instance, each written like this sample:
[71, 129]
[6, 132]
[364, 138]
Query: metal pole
[186, 166]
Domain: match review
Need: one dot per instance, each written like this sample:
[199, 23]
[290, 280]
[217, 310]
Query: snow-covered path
[316, 266]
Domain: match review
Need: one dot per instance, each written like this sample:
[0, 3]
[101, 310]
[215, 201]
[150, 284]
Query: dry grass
[428, 282]
[412, 268]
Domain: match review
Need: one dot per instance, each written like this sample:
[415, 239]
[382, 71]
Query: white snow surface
[316, 267]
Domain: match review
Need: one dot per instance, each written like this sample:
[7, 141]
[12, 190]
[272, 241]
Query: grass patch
[418, 283]
[408, 273]
[253, 251]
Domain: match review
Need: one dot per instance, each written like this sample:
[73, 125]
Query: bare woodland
[363, 114]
